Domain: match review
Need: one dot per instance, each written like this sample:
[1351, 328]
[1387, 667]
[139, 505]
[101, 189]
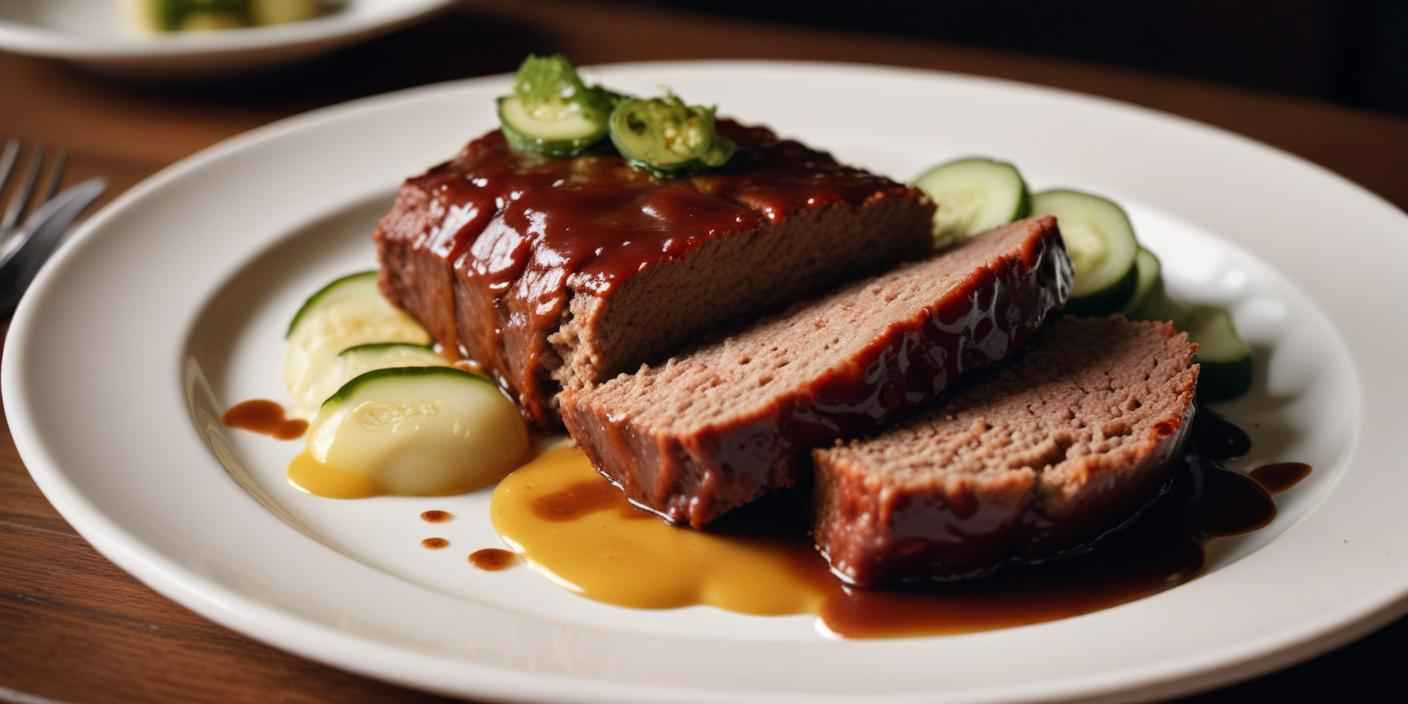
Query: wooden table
[73, 627]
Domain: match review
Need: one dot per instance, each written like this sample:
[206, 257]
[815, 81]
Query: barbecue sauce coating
[693, 478]
[525, 232]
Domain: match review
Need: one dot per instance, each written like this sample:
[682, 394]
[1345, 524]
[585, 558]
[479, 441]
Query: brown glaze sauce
[435, 543]
[752, 562]
[493, 559]
[265, 417]
[436, 516]
[520, 230]
[1280, 476]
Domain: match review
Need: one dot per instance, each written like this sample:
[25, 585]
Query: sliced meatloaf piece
[556, 272]
[1039, 456]
[723, 423]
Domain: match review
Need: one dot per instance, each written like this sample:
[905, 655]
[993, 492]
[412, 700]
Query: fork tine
[21, 198]
[7, 161]
[56, 176]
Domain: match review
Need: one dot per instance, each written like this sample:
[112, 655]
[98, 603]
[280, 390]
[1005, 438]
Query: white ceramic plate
[169, 306]
[97, 34]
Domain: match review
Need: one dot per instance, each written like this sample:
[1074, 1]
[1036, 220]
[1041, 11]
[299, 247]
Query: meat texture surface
[560, 272]
[1036, 457]
[721, 424]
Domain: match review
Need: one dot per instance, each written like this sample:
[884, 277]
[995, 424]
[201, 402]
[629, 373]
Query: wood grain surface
[75, 628]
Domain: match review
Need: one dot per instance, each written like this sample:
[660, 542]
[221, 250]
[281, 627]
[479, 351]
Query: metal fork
[27, 242]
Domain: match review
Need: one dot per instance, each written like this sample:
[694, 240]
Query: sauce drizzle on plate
[265, 417]
[571, 523]
[1280, 476]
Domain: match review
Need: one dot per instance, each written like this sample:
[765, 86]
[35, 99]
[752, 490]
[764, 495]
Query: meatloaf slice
[557, 272]
[1039, 456]
[716, 427]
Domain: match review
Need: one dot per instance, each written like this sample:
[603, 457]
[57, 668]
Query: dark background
[1352, 52]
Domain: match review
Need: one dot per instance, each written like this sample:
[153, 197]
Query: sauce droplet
[1231, 503]
[1280, 476]
[493, 559]
[265, 417]
[435, 543]
[436, 516]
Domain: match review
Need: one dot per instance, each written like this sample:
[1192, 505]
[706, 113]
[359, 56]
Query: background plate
[169, 306]
[95, 33]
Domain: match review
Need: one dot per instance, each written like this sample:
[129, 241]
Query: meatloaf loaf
[556, 272]
[1039, 456]
[715, 427]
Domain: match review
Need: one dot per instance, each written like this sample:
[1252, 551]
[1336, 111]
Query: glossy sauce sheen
[436, 516]
[435, 543]
[521, 230]
[691, 477]
[570, 522]
[265, 417]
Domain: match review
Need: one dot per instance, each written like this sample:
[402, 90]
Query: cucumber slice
[973, 194]
[342, 288]
[372, 351]
[347, 312]
[1100, 240]
[551, 111]
[420, 431]
[559, 130]
[1225, 358]
[1148, 284]
[323, 382]
[667, 137]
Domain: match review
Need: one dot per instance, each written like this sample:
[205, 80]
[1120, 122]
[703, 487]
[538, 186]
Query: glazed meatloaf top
[1044, 453]
[718, 425]
[553, 272]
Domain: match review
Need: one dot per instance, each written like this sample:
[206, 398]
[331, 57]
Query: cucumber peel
[331, 373]
[667, 137]
[419, 431]
[383, 347]
[973, 194]
[552, 111]
[1148, 283]
[347, 312]
[1225, 359]
[1100, 240]
[357, 383]
[321, 294]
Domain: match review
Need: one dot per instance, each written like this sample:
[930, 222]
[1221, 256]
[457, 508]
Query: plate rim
[296, 634]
